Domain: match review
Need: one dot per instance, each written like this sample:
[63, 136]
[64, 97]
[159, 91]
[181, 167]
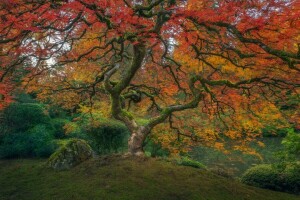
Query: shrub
[186, 161]
[270, 131]
[292, 179]
[15, 145]
[291, 143]
[58, 125]
[36, 142]
[290, 154]
[19, 117]
[263, 176]
[42, 141]
[268, 177]
[57, 112]
[108, 136]
[155, 149]
[23, 97]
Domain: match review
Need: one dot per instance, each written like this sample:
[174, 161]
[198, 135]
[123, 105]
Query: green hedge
[109, 136]
[36, 142]
[154, 149]
[268, 177]
[20, 117]
[270, 131]
[58, 125]
[27, 131]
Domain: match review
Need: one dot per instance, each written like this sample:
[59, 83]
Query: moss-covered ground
[116, 177]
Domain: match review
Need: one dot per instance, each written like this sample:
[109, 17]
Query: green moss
[166, 111]
[127, 114]
[70, 154]
[116, 178]
[142, 121]
[62, 142]
[185, 161]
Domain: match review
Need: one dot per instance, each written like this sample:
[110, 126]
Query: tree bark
[136, 141]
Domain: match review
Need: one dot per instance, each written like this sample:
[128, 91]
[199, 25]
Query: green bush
[290, 154]
[154, 149]
[58, 125]
[15, 145]
[19, 117]
[292, 179]
[186, 161]
[58, 112]
[270, 131]
[36, 142]
[78, 130]
[263, 176]
[104, 136]
[291, 143]
[269, 177]
[42, 140]
[23, 97]
[109, 136]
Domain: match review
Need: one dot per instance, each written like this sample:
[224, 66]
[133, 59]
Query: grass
[115, 177]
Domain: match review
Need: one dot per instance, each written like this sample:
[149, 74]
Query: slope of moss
[118, 178]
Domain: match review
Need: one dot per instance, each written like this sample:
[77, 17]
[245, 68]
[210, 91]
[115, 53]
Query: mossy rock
[71, 154]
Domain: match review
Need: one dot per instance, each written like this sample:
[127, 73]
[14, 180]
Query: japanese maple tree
[165, 56]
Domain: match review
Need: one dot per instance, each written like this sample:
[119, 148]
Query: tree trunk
[136, 140]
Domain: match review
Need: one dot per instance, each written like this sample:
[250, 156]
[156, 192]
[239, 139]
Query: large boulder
[71, 154]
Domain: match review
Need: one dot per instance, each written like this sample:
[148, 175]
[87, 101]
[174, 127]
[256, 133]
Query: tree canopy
[204, 67]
